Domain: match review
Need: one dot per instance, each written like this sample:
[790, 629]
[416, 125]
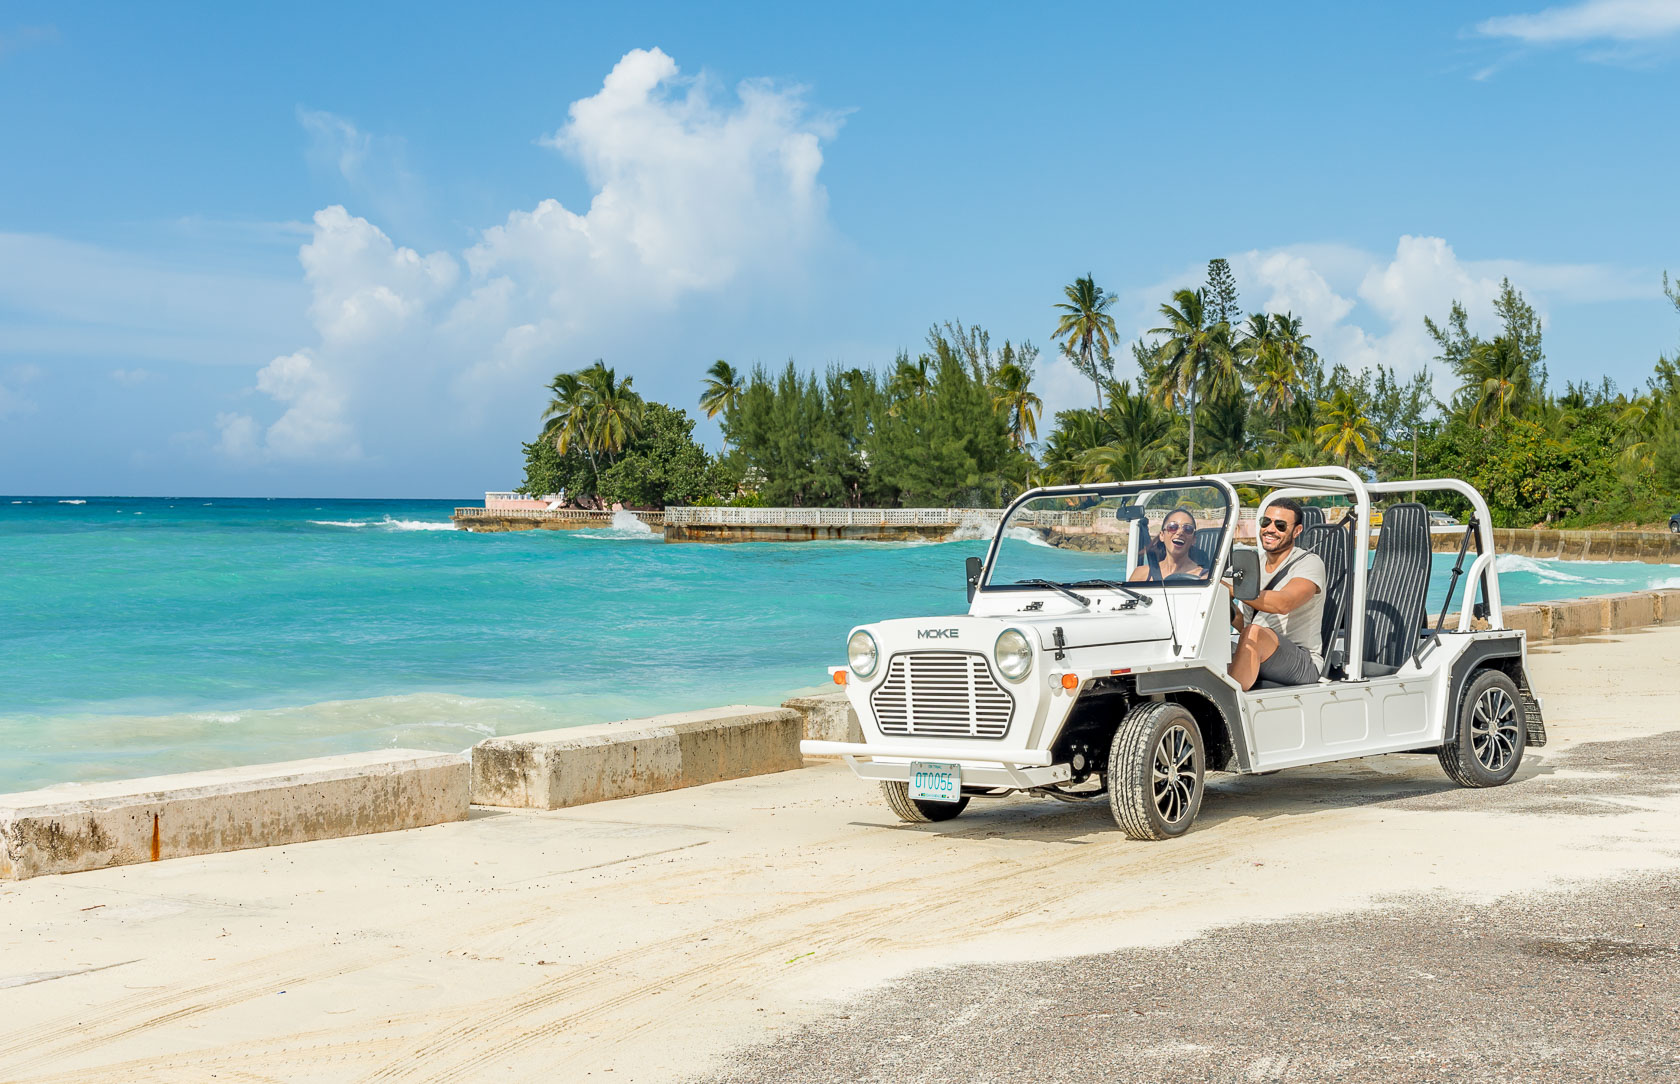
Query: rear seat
[1395, 589]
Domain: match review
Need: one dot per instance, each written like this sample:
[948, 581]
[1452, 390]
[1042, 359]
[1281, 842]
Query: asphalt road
[1573, 985]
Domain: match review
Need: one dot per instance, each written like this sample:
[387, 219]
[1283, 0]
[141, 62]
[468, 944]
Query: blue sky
[339, 249]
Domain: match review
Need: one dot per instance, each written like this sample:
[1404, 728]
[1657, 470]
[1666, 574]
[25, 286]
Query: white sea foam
[72, 502]
[625, 525]
[387, 524]
[1025, 534]
[973, 526]
[1546, 570]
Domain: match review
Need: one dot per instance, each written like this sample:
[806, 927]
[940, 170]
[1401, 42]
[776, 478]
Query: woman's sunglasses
[1174, 528]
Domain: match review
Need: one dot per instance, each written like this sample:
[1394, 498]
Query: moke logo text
[936, 634]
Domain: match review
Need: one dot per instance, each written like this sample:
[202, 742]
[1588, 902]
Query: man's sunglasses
[1280, 524]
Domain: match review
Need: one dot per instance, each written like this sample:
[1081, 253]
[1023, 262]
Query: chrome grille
[945, 694]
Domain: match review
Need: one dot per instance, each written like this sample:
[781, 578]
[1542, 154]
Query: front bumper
[1020, 768]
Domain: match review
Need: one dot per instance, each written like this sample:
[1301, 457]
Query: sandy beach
[690, 933]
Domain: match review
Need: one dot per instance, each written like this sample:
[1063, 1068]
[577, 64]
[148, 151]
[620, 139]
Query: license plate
[934, 782]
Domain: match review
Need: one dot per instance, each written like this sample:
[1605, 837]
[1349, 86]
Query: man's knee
[1261, 639]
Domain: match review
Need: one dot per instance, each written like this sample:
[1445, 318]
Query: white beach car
[1068, 679]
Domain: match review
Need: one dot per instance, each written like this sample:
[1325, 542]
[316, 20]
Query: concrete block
[1628, 610]
[828, 717]
[1571, 617]
[1667, 601]
[66, 829]
[1528, 618]
[552, 769]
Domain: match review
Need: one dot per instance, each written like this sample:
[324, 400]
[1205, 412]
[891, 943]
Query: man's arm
[1286, 598]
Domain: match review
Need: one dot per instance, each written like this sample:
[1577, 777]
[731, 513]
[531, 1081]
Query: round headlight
[861, 653]
[1014, 655]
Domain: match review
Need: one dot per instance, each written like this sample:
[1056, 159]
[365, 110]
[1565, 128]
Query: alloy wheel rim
[1174, 774]
[1494, 730]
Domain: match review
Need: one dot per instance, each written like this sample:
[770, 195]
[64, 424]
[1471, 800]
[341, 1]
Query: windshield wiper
[1054, 586]
[1138, 595]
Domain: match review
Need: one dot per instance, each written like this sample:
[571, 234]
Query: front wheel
[1491, 733]
[915, 810]
[1156, 765]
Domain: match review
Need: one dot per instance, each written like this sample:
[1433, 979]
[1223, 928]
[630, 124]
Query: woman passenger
[1172, 553]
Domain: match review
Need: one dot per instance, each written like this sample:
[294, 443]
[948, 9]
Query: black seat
[1396, 588]
[1332, 545]
[1206, 545]
[1312, 515]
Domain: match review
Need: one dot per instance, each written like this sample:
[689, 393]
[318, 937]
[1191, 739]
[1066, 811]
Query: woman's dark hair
[1158, 547]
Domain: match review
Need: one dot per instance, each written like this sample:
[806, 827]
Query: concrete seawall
[1650, 547]
[553, 769]
[67, 829]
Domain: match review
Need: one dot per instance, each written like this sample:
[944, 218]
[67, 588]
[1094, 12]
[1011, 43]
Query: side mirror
[975, 564]
[1243, 570]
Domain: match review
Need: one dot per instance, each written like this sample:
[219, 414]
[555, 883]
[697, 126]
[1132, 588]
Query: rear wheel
[1491, 733]
[915, 810]
[1156, 765]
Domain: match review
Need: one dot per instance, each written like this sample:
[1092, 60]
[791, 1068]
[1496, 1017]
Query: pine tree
[1221, 293]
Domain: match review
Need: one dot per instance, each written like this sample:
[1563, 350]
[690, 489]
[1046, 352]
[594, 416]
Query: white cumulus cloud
[1614, 20]
[694, 190]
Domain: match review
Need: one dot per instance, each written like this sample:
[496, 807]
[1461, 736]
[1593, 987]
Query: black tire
[915, 810]
[1156, 804]
[1674, 526]
[1492, 733]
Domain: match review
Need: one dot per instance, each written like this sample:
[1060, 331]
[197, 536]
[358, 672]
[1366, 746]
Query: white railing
[986, 518]
[562, 515]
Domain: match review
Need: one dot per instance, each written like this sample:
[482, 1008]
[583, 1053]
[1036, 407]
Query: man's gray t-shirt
[1302, 623]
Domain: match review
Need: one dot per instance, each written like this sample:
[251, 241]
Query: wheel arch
[1504, 654]
[1214, 706]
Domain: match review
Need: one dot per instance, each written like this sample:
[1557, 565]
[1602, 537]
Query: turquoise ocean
[144, 636]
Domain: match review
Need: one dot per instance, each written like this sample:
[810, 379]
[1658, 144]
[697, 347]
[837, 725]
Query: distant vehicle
[1438, 518]
[1674, 523]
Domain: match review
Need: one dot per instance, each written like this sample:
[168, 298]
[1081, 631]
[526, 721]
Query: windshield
[1156, 535]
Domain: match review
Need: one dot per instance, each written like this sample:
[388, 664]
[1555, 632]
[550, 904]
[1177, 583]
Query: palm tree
[1496, 381]
[910, 380]
[720, 392]
[1087, 327]
[1119, 463]
[1194, 352]
[1013, 395]
[1346, 429]
[567, 417]
[614, 411]
[564, 416]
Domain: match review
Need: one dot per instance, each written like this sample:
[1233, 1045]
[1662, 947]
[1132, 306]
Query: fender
[1476, 657]
[1200, 680]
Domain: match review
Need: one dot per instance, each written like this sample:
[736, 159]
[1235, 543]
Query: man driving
[1280, 637]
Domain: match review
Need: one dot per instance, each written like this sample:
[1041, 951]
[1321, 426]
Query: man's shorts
[1290, 664]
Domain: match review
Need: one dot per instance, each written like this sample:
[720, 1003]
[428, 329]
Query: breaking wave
[387, 524]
